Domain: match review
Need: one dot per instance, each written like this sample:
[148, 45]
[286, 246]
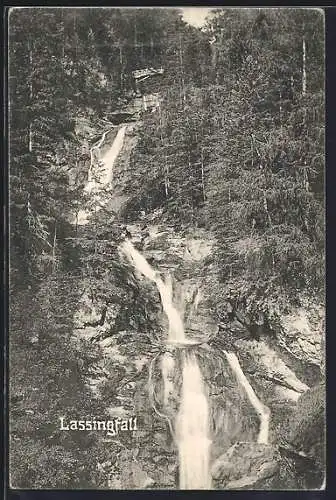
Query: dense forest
[235, 151]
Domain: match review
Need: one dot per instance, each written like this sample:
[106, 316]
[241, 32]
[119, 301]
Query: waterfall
[112, 154]
[192, 428]
[192, 421]
[91, 184]
[106, 174]
[176, 331]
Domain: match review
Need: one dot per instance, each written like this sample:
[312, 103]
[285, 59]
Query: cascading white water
[192, 422]
[112, 154]
[176, 331]
[91, 184]
[192, 427]
[105, 174]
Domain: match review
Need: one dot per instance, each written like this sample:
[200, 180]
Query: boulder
[106, 342]
[306, 426]
[302, 335]
[277, 381]
[246, 466]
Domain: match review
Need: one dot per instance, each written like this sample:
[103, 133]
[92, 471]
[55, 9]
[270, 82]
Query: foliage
[48, 375]
[242, 153]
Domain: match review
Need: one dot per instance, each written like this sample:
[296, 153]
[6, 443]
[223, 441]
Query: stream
[212, 425]
[101, 178]
[192, 422]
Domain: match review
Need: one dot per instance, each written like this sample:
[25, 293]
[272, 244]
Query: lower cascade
[192, 421]
[192, 428]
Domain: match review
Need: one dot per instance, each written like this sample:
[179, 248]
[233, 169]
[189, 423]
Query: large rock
[247, 466]
[87, 311]
[303, 333]
[260, 361]
[306, 427]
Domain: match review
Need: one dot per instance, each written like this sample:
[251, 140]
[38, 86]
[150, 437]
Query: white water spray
[192, 422]
[105, 175]
[91, 180]
[192, 428]
[111, 156]
[176, 331]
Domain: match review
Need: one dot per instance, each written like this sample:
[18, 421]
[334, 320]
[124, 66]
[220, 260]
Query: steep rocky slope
[283, 370]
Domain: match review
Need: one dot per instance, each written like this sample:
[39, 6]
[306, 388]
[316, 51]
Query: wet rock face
[259, 360]
[303, 333]
[275, 383]
[306, 430]
[231, 416]
[247, 466]
[300, 342]
[270, 365]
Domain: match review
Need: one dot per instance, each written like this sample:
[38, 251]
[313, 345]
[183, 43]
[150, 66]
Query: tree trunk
[182, 72]
[152, 46]
[304, 67]
[76, 223]
[95, 233]
[54, 266]
[202, 173]
[266, 209]
[135, 35]
[214, 58]
[30, 127]
[121, 66]
[292, 85]
[306, 178]
[30, 138]
[280, 111]
[166, 178]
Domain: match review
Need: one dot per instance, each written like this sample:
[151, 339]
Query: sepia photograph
[166, 248]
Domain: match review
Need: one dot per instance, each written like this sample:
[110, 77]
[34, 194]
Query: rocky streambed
[282, 372]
